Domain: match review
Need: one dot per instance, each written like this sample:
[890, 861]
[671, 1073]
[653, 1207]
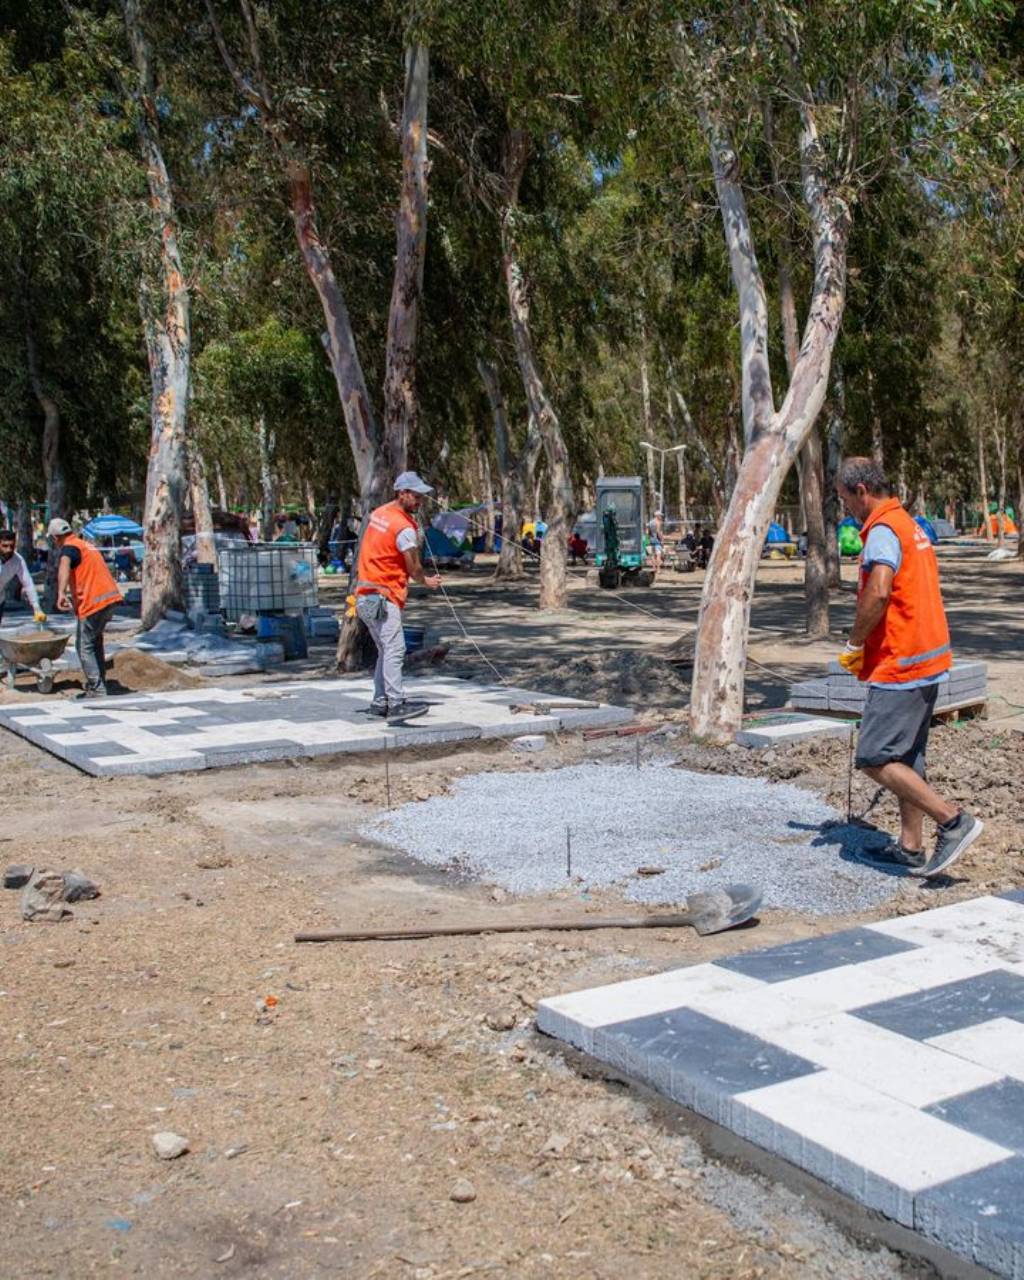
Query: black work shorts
[895, 726]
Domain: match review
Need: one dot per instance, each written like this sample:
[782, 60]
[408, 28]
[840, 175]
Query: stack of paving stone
[839, 691]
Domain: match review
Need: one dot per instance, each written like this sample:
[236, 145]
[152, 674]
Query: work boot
[953, 838]
[87, 693]
[894, 857]
[399, 712]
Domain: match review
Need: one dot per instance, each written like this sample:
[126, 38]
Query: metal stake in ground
[387, 774]
[638, 751]
[849, 784]
[568, 853]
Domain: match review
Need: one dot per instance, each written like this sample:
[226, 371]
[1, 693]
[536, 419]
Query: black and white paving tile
[886, 1060]
[209, 728]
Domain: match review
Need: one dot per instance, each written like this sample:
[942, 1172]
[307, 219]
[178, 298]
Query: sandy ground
[334, 1096]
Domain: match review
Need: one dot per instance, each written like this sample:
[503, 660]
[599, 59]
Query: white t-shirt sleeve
[406, 540]
[883, 547]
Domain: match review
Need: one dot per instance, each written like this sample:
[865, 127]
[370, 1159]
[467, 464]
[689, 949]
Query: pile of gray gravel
[706, 830]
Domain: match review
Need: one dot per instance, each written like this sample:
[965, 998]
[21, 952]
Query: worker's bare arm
[64, 584]
[873, 602]
[414, 567]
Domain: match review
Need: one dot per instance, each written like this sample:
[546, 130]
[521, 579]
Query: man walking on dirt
[86, 588]
[900, 647]
[388, 557]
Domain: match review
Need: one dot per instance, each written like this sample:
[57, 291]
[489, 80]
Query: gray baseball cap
[411, 481]
[57, 528]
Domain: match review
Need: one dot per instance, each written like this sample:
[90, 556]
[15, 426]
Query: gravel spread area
[706, 830]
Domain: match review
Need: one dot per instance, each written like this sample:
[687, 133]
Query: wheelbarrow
[35, 652]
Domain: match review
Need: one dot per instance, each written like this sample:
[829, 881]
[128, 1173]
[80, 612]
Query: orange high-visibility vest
[92, 584]
[381, 566]
[911, 641]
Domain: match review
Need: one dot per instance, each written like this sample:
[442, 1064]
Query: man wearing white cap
[388, 557]
[86, 588]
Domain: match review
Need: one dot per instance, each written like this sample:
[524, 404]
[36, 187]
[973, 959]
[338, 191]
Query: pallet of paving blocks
[839, 692]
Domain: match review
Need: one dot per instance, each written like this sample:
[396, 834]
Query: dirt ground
[336, 1097]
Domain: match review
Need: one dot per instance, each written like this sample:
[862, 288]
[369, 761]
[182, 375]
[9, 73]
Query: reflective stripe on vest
[911, 642]
[92, 584]
[381, 566]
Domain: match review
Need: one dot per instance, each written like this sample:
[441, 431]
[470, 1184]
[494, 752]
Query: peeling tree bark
[166, 320]
[554, 576]
[401, 407]
[773, 437]
[206, 543]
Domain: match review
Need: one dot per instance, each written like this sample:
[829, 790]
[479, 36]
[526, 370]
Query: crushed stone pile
[706, 830]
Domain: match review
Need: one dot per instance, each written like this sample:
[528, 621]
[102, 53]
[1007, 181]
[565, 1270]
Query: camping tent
[850, 543]
[442, 549]
[993, 523]
[455, 524]
[928, 527]
[776, 533]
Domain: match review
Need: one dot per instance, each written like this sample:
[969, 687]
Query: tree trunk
[810, 471]
[268, 487]
[654, 497]
[513, 494]
[877, 444]
[206, 543]
[986, 524]
[715, 477]
[554, 573]
[222, 493]
[487, 483]
[999, 437]
[400, 402]
[1020, 489]
[680, 458]
[833, 458]
[23, 529]
[773, 437]
[53, 470]
[166, 321]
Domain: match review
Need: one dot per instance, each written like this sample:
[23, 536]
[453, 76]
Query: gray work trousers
[90, 648]
[383, 620]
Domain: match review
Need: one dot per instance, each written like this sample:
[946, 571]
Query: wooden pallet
[952, 713]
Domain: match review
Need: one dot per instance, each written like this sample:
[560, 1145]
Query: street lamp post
[676, 448]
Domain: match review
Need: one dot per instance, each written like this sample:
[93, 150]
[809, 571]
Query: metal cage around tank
[268, 577]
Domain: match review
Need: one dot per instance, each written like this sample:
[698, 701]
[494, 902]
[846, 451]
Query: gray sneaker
[399, 712]
[377, 709]
[894, 857]
[952, 840]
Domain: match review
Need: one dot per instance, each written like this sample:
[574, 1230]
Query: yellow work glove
[39, 616]
[350, 606]
[851, 658]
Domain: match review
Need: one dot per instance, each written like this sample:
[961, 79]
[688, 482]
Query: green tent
[849, 541]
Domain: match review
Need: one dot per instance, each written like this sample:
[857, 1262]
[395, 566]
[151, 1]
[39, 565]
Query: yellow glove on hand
[852, 658]
[39, 616]
[350, 606]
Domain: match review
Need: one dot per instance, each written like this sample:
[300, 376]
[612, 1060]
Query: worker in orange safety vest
[85, 587]
[900, 647]
[388, 557]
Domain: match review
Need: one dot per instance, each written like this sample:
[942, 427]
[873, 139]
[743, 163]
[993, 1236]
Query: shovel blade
[725, 908]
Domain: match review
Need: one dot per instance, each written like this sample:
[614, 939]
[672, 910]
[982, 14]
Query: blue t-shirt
[883, 547]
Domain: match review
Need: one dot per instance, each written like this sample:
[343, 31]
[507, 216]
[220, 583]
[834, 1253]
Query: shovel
[710, 912]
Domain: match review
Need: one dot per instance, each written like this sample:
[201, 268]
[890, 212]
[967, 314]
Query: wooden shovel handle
[535, 926]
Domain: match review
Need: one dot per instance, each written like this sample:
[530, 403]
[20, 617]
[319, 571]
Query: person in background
[13, 567]
[899, 646]
[388, 557]
[656, 538]
[86, 588]
[578, 548]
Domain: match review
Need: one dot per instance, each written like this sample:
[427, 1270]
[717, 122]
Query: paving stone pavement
[887, 1060]
[209, 728]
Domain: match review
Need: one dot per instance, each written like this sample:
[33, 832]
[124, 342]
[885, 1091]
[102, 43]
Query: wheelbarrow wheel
[46, 676]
